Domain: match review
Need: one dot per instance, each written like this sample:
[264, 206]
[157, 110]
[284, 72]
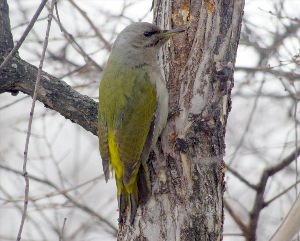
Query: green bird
[133, 110]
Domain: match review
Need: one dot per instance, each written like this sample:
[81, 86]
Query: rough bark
[187, 170]
[53, 93]
[6, 40]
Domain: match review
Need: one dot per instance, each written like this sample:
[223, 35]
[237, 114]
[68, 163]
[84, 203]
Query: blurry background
[64, 160]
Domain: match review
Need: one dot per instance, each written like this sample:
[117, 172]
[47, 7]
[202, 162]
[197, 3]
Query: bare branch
[236, 218]
[61, 237]
[289, 75]
[14, 102]
[52, 92]
[266, 203]
[25, 173]
[112, 228]
[23, 37]
[241, 178]
[76, 46]
[96, 30]
[291, 224]
[20, 209]
[249, 121]
[259, 199]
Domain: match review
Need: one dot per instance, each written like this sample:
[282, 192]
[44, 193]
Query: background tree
[63, 158]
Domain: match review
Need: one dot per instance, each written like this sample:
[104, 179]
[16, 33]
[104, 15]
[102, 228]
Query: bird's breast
[162, 96]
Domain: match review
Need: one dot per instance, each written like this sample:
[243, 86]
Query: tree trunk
[188, 170]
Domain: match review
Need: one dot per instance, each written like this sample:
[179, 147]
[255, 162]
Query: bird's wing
[134, 123]
[127, 105]
[103, 145]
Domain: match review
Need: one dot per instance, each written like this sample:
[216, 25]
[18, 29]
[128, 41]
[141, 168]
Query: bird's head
[143, 38]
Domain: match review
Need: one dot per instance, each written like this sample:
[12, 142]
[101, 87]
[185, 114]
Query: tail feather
[133, 194]
[122, 203]
[133, 207]
[127, 201]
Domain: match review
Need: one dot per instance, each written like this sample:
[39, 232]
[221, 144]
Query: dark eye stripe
[148, 34]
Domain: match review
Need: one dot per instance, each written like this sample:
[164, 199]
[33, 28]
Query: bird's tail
[132, 195]
[128, 201]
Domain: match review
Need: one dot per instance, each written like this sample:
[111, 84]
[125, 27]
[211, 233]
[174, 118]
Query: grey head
[139, 42]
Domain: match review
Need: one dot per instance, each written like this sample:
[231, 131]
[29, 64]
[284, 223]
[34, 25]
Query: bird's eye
[148, 34]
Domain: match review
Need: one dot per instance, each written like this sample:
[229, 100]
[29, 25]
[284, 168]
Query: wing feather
[132, 131]
[127, 105]
[103, 146]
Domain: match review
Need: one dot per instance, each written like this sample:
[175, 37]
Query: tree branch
[52, 92]
[24, 35]
[6, 39]
[111, 227]
[241, 178]
[38, 78]
[259, 199]
[106, 44]
[236, 218]
[292, 76]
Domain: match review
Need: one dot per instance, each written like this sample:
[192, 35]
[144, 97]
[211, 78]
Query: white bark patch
[182, 124]
[151, 227]
[198, 84]
[42, 92]
[210, 221]
[164, 224]
[170, 228]
[162, 176]
[45, 77]
[199, 89]
[197, 104]
[208, 161]
[224, 109]
[186, 166]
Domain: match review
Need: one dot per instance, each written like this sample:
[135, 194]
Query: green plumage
[127, 105]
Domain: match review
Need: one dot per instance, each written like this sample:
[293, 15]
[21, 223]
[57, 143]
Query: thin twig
[66, 190]
[25, 174]
[61, 236]
[290, 75]
[290, 225]
[14, 102]
[266, 203]
[70, 38]
[27, 22]
[35, 223]
[285, 162]
[296, 142]
[24, 35]
[58, 18]
[241, 141]
[96, 30]
[56, 192]
[113, 230]
[259, 198]
[241, 178]
[236, 218]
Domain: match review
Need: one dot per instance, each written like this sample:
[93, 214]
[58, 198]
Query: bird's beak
[170, 33]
